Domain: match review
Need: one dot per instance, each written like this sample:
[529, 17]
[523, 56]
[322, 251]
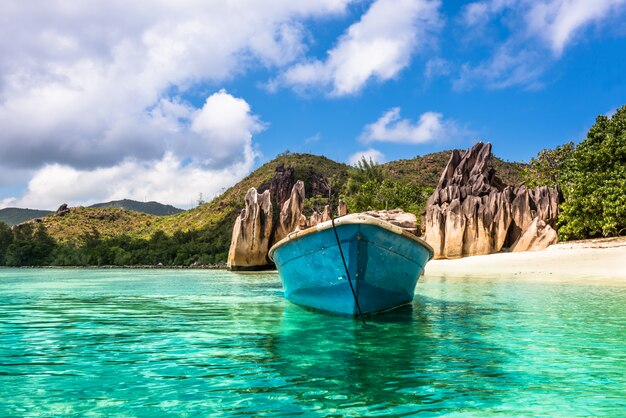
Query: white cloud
[377, 47]
[313, 138]
[538, 34]
[558, 21]
[78, 81]
[436, 67]
[369, 154]
[166, 180]
[430, 127]
[480, 13]
[92, 86]
[214, 151]
[507, 67]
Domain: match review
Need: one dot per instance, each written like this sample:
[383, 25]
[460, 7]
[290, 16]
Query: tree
[6, 238]
[546, 168]
[594, 182]
[368, 189]
[30, 247]
[363, 172]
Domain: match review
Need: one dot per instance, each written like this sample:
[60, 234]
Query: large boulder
[291, 217]
[472, 212]
[62, 210]
[252, 233]
[537, 236]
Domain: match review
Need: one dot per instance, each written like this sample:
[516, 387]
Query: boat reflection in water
[405, 361]
[384, 263]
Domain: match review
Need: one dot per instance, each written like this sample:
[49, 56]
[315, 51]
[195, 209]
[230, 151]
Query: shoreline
[595, 259]
[132, 267]
[601, 259]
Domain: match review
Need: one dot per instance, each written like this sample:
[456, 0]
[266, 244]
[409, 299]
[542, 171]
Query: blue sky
[165, 100]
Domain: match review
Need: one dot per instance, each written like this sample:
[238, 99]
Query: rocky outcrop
[538, 236]
[472, 212]
[398, 217]
[62, 210]
[291, 217]
[252, 233]
[256, 229]
[280, 185]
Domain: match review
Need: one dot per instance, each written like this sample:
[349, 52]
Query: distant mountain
[151, 208]
[14, 216]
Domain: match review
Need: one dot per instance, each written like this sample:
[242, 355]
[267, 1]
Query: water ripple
[153, 343]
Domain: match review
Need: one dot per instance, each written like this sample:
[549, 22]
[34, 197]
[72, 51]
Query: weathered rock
[327, 214]
[249, 251]
[433, 226]
[62, 210]
[315, 218]
[343, 208]
[317, 183]
[538, 236]
[290, 217]
[454, 230]
[252, 233]
[473, 212]
[398, 217]
[280, 185]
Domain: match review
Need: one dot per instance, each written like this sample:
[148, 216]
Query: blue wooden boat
[384, 263]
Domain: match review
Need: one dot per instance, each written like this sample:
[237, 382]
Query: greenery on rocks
[594, 182]
[369, 188]
[546, 168]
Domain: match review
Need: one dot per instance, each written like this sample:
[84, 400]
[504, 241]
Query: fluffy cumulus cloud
[214, 149]
[369, 154]
[91, 89]
[539, 33]
[430, 127]
[377, 47]
[164, 180]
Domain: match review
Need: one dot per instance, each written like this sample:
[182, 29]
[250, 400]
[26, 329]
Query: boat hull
[384, 263]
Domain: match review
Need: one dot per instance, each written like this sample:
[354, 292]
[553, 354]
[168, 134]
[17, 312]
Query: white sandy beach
[591, 260]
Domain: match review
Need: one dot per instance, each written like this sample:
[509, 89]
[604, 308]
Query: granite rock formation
[291, 217]
[472, 212]
[62, 210]
[252, 233]
[257, 228]
[280, 186]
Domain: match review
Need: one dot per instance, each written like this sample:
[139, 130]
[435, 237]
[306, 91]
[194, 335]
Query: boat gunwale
[351, 219]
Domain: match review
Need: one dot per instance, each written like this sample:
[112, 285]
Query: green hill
[151, 208]
[92, 235]
[215, 217]
[14, 216]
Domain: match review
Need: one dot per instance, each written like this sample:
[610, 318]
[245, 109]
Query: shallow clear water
[176, 342]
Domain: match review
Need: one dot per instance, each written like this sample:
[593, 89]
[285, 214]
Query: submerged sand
[598, 259]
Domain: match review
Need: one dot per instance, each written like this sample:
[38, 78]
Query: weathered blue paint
[384, 266]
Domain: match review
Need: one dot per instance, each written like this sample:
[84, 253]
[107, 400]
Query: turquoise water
[199, 343]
